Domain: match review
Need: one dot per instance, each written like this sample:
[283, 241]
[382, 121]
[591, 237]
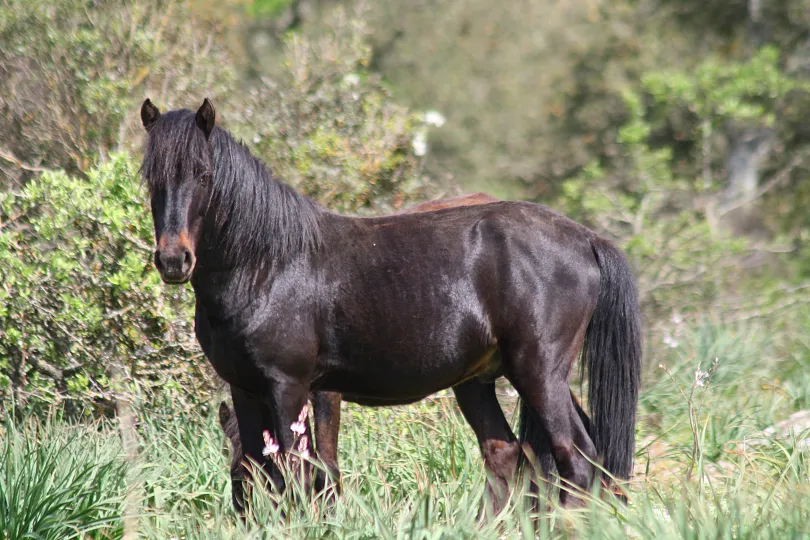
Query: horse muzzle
[175, 265]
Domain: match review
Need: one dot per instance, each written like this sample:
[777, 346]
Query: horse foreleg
[287, 400]
[252, 418]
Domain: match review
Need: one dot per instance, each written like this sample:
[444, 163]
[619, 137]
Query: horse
[292, 298]
[326, 405]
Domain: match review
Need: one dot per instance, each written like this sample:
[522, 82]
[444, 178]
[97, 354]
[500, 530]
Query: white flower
[670, 341]
[420, 144]
[352, 79]
[677, 318]
[700, 378]
[298, 427]
[270, 445]
[435, 118]
[257, 138]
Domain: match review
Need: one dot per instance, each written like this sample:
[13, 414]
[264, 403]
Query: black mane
[257, 216]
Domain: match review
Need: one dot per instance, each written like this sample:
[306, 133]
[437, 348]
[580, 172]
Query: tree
[331, 128]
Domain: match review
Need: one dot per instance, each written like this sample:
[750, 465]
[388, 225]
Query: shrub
[664, 200]
[79, 294]
[73, 74]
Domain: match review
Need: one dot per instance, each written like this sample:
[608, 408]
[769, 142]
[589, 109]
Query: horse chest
[229, 356]
[259, 348]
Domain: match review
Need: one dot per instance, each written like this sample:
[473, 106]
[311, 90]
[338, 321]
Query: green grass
[416, 472]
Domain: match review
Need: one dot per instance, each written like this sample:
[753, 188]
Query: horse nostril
[188, 260]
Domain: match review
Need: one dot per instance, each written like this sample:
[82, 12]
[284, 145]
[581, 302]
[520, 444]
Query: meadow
[704, 467]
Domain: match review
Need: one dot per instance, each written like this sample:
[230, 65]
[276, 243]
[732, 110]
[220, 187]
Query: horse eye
[203, 180]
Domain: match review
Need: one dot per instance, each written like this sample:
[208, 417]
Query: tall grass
[59, 481]
[416, 472]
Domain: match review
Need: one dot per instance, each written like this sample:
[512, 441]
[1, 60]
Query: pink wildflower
[304, 412]
[303, 446]
[299, 427]
[270, 445]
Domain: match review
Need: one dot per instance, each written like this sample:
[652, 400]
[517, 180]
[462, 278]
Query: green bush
[664, 199]
[79, 295]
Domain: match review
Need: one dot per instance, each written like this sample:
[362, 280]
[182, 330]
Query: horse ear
[206, 117]
[224, 415]
[149, 114]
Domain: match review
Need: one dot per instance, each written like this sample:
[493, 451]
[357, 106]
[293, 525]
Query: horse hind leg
[533, 434]
[499, 446]
[326, 413]
[551, 422]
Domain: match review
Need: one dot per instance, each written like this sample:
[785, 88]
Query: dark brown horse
[292, 298]
[326, 405]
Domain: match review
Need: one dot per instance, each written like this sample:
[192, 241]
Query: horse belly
[403, 331]
[405, 375]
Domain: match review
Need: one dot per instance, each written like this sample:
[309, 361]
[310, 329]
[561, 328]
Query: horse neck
[223, 284]
[234, 259]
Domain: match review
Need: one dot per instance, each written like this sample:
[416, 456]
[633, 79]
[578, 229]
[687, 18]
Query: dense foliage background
[675, 127]
[674, 130]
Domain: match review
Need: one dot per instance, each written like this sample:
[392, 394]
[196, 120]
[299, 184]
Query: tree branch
[776, 179]
[8, 156]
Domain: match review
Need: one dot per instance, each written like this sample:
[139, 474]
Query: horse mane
[258, 217]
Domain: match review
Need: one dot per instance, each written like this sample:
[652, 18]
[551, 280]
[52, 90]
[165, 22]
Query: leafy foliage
[73, 72]
[79, 294]
[663, 198]
[330, 127]
[268, 8]
[719, 90]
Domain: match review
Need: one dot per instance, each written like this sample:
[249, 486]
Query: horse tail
[612, 360]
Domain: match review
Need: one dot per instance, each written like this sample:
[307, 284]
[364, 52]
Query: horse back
[435, 292]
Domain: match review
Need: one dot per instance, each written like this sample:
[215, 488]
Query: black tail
[611, 357]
